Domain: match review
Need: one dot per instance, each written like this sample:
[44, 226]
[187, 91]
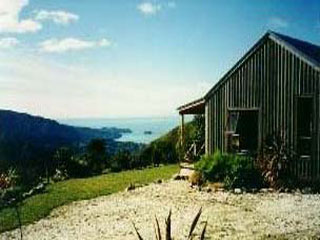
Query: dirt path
[230, 216]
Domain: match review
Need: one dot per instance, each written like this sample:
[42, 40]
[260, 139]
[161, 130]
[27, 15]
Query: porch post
[182, 131]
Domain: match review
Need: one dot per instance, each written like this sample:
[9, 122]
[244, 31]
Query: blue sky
[131, 58]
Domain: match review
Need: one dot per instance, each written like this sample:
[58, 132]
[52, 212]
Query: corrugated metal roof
[310, 50]
[307, 51]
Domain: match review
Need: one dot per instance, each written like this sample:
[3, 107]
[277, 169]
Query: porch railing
[194, 152]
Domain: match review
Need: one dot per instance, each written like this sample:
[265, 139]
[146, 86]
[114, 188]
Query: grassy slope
[173, 136]
[61, 193]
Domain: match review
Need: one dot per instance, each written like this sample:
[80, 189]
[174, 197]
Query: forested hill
[22, 126]
[25, 138]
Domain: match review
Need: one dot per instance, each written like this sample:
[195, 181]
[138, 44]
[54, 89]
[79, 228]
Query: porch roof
[195, 107]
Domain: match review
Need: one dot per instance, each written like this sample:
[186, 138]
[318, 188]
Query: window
[242, 131]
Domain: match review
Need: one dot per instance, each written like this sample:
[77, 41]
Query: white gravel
[230, 216]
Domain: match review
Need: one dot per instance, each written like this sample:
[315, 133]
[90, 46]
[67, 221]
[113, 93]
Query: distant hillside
[22, 126]
[27, 140]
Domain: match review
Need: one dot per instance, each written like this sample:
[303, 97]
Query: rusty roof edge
[273, 36]
[294, 50]
[195, 102]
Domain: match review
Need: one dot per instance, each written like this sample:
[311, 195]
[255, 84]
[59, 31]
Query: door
[304, 136]
[304, 126]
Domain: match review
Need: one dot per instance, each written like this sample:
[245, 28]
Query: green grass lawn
[57, 194]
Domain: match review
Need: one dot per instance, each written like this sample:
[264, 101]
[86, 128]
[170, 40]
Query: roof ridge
[309, 52]
[294, 38]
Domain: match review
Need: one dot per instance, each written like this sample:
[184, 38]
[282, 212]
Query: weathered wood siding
[269, 79]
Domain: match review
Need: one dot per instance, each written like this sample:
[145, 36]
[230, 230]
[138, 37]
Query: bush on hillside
[144, 157]
[96, 155]
[120, 161]
[233, 170]
[62, 158]
[91, 162]
[78, 166]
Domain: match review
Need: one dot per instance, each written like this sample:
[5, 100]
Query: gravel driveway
[230, 216]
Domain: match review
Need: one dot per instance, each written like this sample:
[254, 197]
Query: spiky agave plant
[168, 228]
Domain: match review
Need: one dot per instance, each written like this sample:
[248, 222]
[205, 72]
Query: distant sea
[138, 126]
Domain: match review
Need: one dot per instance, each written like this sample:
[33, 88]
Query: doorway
[304, 125]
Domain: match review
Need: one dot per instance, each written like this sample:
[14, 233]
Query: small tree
[96, 155]
[121, 161]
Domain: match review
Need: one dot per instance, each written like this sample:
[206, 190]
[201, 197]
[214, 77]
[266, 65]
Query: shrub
[61, 157]
[145, 155]
[233, 170]
[78, 166]
[273, 161]
[137, 161]
[96, 155]
[120, 161]
[242, 173]
[196, 178]
[213, 167]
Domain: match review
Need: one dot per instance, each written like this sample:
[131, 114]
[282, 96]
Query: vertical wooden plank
[287, 91]
[267, 73]
[207, 128]
[284, 92]
[264, 88]
[292, 108]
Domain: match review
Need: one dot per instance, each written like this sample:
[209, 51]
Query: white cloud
[39, 86]
[148, 8]
[104, 43]
[277, 22]
[70, 44]
[10, 21]
[58, 17]
[8, 42]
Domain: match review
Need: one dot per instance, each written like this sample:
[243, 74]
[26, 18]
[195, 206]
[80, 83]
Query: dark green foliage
[164, 152]
[121, 161]
[29, 144]
[62, 156]
[274, 162]
[233, 170]
[167, 148]
[243, 173]
[143, 157]
[96, 155]
[91, 162]
[78, 166]
[213, 167]
[199, 123]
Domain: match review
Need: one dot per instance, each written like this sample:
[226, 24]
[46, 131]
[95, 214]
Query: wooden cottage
[274, 88]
